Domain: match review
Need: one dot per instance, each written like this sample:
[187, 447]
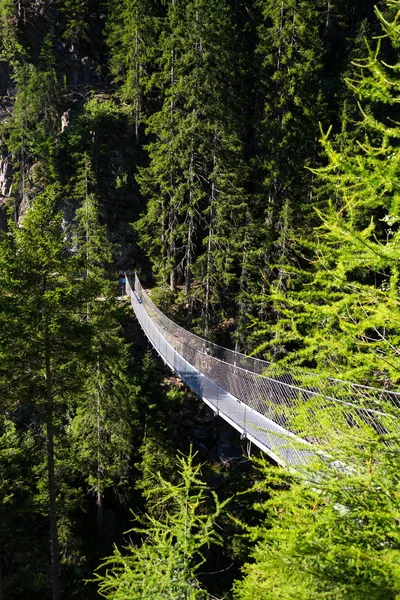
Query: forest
[243, 157]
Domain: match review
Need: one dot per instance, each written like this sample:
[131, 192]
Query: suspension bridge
[285, 414]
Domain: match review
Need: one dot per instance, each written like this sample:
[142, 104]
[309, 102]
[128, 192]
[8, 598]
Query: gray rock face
[5, 188]
[5, 177]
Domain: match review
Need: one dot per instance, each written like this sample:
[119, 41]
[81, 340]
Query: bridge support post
[218, 385]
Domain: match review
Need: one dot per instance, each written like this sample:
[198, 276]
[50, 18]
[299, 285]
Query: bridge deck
[280, 444]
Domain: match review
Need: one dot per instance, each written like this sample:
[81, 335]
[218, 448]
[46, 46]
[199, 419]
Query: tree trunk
[172, 217]
[99, 495]
[137, 77]
[172, 280]
[239, 341]
[190, 222]
[188, 277]
[210, 244]
[1, 581]
[208, 272]
[55, 560]
[278, 64]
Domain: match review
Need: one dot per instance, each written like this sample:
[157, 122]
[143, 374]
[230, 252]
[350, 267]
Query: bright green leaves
[340, 540]
[359, 249]
[164, 566]
[340, 312]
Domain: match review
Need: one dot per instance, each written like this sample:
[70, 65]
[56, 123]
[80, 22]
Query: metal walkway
[279, 412]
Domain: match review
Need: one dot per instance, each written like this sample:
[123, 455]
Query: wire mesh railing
[297, 403]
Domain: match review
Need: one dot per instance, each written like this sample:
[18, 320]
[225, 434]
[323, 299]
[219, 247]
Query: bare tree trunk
[328, 16]
[278, 64]
[172, 280]
[210, 245]
[172, 249]
[208, 280]
[55, 560]
[190, 219]
[188, 276]
[1, 581]
[239, 342]
[137, 77]
[99, 495]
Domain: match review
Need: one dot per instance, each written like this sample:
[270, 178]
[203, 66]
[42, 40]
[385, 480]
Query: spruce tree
[101, 429]
[42, 366]
[10, 46]
[132, 35]
[29, 133]
[290, 54]
[195, 180]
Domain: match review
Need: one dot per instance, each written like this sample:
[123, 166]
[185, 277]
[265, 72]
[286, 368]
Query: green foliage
[291, 54]
[337, 538]
[231, 94]
[20, 546]
[101, 429]
[67, 334]
[9, 44]
[90, 237]
[76, 13]
[341, 312]
[37, 286]
[194, 182]
[165, 564]
[30, 131]
[132, 37]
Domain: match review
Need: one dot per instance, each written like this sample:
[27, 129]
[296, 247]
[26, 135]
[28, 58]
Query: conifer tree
[30, 132]
[9, 44]
[165, 564]
[337, 538]
[342, 315]
[101, 429]
[194, 183]
[35, 280]
[76, 16]
[44, 301]
[132, 39]
[21, 542]
[290, 53]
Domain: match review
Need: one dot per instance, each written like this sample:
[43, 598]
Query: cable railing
[304, 409]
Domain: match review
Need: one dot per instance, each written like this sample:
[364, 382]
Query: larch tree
[335, 539]
[172, 548]
[341, 314]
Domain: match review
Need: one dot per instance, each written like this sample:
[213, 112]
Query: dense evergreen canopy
[244, 157]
